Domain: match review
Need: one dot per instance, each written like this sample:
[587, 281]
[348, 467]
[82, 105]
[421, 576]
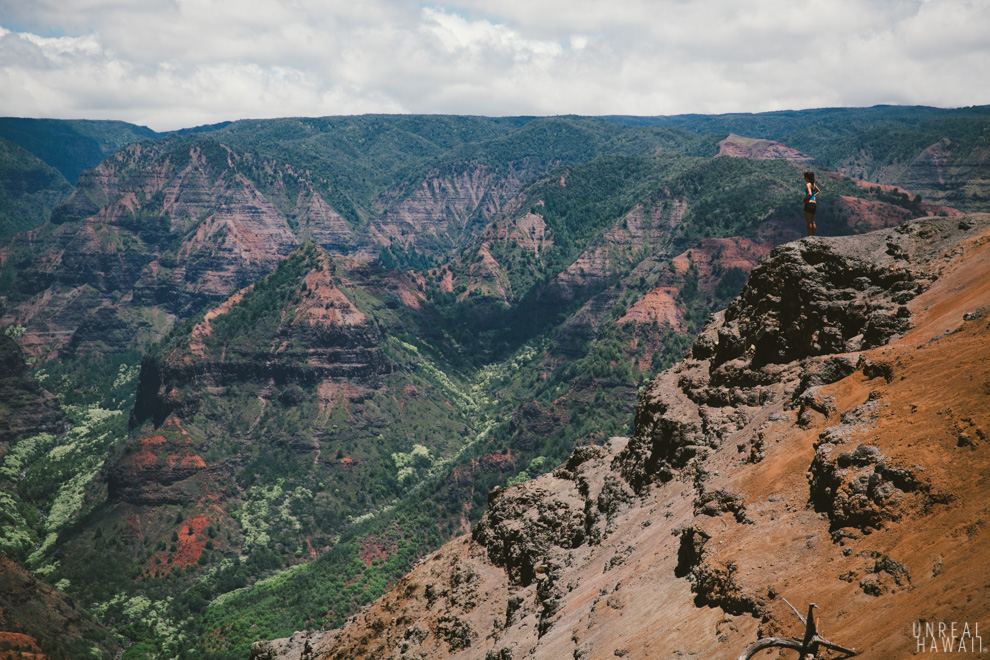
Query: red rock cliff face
[230, 232]
[825, 442]
[321, 337]
[168, 228]
[738, 146]
[445, 209]
[149, 227]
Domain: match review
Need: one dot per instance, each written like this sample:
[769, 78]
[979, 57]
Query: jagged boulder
[520, 528]
[809, 298]
[799, 323]
[526, 526]
[858, 487]
[713, 582]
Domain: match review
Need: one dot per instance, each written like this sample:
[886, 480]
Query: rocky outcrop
[808, 300]
[715, 583]
[525, 528]
[719, 501]
[738, 146]
[771, 463]
[528, 531]
[36, 619]
[25, 407]
[857, 486]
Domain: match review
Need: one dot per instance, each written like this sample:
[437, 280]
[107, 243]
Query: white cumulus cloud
[176, 63]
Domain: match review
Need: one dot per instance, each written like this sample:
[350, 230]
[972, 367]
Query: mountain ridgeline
[936, 153]
[260, 369]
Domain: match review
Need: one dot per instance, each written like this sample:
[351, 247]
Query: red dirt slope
[828, 441]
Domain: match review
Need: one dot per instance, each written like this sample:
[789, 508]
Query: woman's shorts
[810, 208]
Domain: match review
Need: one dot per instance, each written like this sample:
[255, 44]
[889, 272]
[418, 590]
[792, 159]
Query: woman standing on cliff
[810, 205]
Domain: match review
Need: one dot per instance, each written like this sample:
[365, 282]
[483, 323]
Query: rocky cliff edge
[825, 441]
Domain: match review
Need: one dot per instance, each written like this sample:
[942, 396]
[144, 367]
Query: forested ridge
[285, 359]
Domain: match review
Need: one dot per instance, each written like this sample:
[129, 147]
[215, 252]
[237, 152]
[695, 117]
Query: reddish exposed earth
[35, 617]
[738, 146]
[191, 539]
[852, 477]
[659, 305]
[16, 646]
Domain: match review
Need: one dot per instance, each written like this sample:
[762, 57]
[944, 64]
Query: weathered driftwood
[807, 647]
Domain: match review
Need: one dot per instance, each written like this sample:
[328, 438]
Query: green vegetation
[29, 190]
[364, 165]
[282, 465]
[878, 144]
[71, 145]
[323, 593]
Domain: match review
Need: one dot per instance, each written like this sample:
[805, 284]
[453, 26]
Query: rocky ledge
[824, 442]
[808, 311]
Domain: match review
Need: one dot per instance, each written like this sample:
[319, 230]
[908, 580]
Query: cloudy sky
[169, 64]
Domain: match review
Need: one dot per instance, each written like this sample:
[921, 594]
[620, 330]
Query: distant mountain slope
[29, 190]
[395, 171]
[943, 155]
[176, 223]
[576, 382]
[297, 353]
[613, 222]
[263, 428]
[824, 442]
[39, 622]
[72, 145]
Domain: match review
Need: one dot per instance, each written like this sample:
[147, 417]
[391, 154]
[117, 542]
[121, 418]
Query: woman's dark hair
[809, 177]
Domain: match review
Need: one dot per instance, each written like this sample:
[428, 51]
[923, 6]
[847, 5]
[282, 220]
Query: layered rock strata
[824, 442]
[25, 407]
